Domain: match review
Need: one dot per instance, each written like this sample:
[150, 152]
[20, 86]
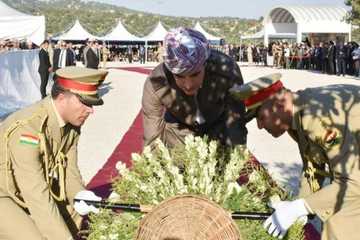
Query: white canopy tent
[208, 36]
[18, 25]
[156, 35]
[76, 33]
[258, 35]
[121, 34]
[299, 20]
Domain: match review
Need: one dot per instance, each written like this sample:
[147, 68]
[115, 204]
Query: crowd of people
[327, 57]
[111, 52]
[15, 45]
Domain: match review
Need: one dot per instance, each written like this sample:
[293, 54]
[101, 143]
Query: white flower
[121, 167]
[113, 236]
[254, 177]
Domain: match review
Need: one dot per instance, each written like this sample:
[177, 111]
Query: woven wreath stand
[188, 217]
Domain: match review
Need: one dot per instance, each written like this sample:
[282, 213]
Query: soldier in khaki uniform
[188, 93]
[105, 52]
[325, 122]
[39, 176]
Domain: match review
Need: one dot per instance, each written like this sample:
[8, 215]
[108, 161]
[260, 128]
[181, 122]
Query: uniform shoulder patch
[29, 139]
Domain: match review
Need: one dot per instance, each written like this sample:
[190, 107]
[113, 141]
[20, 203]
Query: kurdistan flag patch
[29, 139]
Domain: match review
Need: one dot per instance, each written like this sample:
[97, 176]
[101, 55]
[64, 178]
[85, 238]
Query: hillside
[100, 18]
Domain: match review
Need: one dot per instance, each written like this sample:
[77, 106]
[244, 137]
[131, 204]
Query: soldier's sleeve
[74, 182]
[24, 151]
[343, 153]
[235, 122]
[153, 120]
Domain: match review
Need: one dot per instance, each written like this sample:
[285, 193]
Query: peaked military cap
[84, 82]
[254, 93]
[257, 91]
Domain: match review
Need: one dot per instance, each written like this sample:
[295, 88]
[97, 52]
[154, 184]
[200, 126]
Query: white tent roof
[311, 19]
[18, 25]
[157, 35]
[300, 14]
[119, 33]
[208, 36]
[76, 33]
[257, 35]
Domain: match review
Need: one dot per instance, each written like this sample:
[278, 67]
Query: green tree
[354, 13]
[354, 17]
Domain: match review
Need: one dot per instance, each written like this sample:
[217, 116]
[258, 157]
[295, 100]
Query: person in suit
[142, 54]
[188, 93]
[341, 57]
[331, 58]
[92, 55]
[44, 67]
[39, 175]
[324, 121]
[63, 57]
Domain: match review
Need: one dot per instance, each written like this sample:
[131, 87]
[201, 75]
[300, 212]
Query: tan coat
[43, 176]
[170, 115]
[327, 129]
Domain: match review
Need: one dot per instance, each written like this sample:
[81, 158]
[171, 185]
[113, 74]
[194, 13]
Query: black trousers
[44, 76]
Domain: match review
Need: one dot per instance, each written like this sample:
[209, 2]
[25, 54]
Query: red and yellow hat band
[77, 87]
[263, 94]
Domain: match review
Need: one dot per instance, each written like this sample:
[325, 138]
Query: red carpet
[134, 69]
[133, 142]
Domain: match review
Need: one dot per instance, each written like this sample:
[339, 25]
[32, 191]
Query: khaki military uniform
[39, 176]
[105, 55]
[170, 115]
[327, 128]
[160, 54]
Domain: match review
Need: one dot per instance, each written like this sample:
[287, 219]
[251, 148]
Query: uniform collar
[59, 119]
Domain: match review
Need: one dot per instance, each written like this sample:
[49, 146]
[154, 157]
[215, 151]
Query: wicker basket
[188, 217]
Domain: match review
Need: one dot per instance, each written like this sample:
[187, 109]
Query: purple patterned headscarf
[186, 50]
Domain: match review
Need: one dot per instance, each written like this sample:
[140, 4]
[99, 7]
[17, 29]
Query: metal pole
[147, 208]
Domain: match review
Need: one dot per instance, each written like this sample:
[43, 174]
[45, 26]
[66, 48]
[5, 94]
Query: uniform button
[328, 212]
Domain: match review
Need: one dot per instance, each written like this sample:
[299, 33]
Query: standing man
[39, 175]
[160, 52]
[44, 67]
[105, 52]
[332, 58]
[188, 93]
[142, 54]
[92, 55]
[63, 57]
[341, 56]
[325, 123]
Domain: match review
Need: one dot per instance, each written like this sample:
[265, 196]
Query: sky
[210, 8]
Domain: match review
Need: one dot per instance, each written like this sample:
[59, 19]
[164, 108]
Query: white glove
[83, 208]
[286, 214]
